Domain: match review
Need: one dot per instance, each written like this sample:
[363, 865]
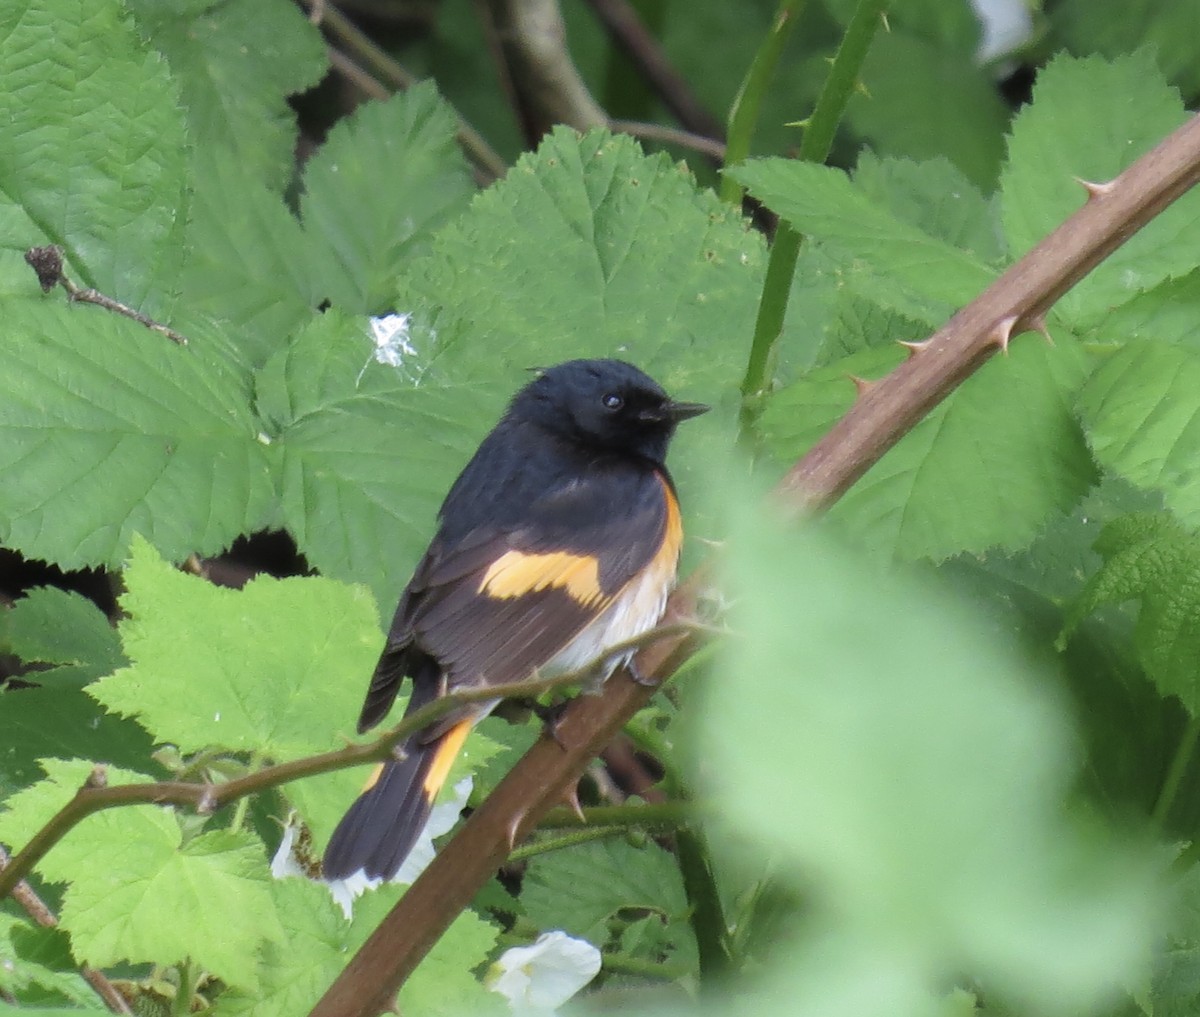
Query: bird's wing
[499, 604]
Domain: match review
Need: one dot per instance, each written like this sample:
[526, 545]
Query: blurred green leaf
[922, 99]
[1114, 27]
[906, 767]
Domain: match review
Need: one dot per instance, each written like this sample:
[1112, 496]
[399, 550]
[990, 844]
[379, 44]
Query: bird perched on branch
[559, 540]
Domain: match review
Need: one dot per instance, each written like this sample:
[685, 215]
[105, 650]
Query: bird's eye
[612, 401]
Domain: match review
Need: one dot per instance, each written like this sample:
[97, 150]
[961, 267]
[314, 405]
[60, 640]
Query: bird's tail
[380, 828]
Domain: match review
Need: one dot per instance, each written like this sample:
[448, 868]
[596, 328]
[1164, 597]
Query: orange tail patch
[444, 755]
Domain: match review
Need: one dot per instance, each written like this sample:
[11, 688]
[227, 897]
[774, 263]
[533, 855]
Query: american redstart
[559, 540]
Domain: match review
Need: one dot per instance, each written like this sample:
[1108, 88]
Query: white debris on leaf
[441, 820]
[392, 336]
[539, 978]
[392, 339]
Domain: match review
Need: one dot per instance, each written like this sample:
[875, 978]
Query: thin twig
[39, 911]
[48, 264]
[550, 89]
[710, 147]
[625, 27]
[354, 74]
[206, 797]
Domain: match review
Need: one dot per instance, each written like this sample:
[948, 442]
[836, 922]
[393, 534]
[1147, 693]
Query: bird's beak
[676, 412]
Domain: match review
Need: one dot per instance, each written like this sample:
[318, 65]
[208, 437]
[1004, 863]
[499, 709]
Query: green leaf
[1114, 27]
[55, 717]
[368, 451]
[1151, 558]
[249, 268]
[318, 941]
[1175, 990]
[26, 975]
[266, 667]
[53, 626]
[1167, 313]
[385, 179]
[888, 728]
[1089, 120]
[884, 257]
[1139, 412]
[577, 889]
[443, 984]
[132, 877]
[923, 99]
[935, 197]
[95, 152]
[113, 429]
[590, 248]
[236, 62]
[988, 467]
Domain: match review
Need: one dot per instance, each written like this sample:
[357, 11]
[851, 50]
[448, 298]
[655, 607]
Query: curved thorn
[1038, 324]
[913, 347]
[513, 832]
[1094, 190]
[572, 800]
[1003, 332]
[861, 384]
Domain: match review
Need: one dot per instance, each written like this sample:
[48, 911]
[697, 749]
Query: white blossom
[539, 978]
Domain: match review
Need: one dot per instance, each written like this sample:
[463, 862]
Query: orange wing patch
[515, 574]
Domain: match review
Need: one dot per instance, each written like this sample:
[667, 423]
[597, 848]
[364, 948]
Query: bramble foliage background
[943, 765]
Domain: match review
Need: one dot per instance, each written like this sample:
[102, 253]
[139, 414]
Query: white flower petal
[1007, 25]
[535, 979]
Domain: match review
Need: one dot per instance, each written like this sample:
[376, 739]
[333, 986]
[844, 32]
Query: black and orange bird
[559, 540]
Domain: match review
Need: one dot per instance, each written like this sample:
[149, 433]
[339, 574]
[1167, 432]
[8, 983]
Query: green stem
[243, 804]
[669, 814]
[1179, 765]
[624, 964]
[545, 845]
[819, 131]
[707, 914]
[189, 978]
[747, 104]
